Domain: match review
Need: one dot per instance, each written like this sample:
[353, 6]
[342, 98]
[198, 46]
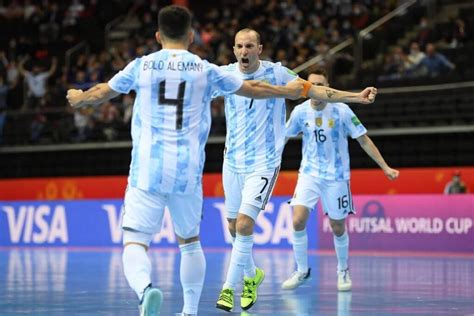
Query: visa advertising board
[432, 223]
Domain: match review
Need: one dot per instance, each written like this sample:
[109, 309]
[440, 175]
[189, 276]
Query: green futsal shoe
[226, 300]
[249, 294]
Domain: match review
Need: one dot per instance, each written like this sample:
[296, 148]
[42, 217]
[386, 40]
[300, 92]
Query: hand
[367, 96]
[295, 89]
[74, 97]
[391, 174]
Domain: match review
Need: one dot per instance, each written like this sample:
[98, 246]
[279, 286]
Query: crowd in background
[34, 73]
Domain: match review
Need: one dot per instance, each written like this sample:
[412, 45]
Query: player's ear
[158, 37]
[191, 36]
[260, 49]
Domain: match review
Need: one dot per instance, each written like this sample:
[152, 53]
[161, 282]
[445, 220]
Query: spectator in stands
[435, 63]
[109, 120]
[424, 32]
[459, 33]
[395, 64]
[37, 81]
[82, 124]
[456, 185]
[3, 105]
[415, 56]
[414, 59]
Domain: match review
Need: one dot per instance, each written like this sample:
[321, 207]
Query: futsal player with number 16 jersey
[324, 176]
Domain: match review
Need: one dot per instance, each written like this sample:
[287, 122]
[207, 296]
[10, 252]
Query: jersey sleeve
[287, 75]
[223, 82]
[126, 79]
[293, 126]
[352, 124]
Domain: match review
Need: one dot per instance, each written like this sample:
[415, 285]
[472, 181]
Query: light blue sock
[241, 252]
[341, 245]
[192, 272]
[300, 249]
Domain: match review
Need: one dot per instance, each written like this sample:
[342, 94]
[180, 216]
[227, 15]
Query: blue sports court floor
[90, 282]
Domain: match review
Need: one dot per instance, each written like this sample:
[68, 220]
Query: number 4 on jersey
[178, 102]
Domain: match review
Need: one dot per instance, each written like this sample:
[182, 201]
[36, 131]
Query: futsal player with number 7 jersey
[324, 176]
[170, 127]
[254, 144]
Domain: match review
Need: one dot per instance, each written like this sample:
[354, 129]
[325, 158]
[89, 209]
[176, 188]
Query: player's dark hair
[174, 22]
[321, 72]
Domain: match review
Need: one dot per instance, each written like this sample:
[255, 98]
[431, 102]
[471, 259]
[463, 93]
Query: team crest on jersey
[319, 121]
[331, 123]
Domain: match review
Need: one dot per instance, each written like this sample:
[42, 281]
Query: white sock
[241, 251]
[341, 245]
[192, 272]
[137, 268]
[250, 267]
[300, 249]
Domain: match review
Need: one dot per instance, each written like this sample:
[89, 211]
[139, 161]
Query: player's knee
[232, 226]
[299, 223]
[244, 225]
[137, 238]
[338, 229]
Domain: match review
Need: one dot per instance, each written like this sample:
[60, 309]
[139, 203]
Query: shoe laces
[226, 296]
[299, 275]
[249, 285]
[344, 274]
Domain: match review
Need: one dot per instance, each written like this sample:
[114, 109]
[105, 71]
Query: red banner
[364, 181]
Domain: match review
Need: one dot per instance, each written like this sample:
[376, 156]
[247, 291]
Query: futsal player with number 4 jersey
[254, 143]
[170, 127]
[324, 176]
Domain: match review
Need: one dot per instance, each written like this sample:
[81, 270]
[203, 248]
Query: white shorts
[143, 211]
[335, 196]
[247, 188]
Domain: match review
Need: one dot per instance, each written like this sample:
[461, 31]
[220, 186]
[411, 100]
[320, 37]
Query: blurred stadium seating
[413, 126]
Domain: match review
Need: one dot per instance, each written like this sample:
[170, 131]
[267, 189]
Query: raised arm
[327, 94]
[52, 69]
[96, 95]
[21, 67]
[369, 147]
[260, 90]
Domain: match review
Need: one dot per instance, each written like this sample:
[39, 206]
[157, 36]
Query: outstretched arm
[327, 94]
[369, 147]
[96, 95]
[52, 69]
[260, 90]
[21, 67]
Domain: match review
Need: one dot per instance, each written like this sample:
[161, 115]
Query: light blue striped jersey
[325, 133]
[171, 117]
[256, 128]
